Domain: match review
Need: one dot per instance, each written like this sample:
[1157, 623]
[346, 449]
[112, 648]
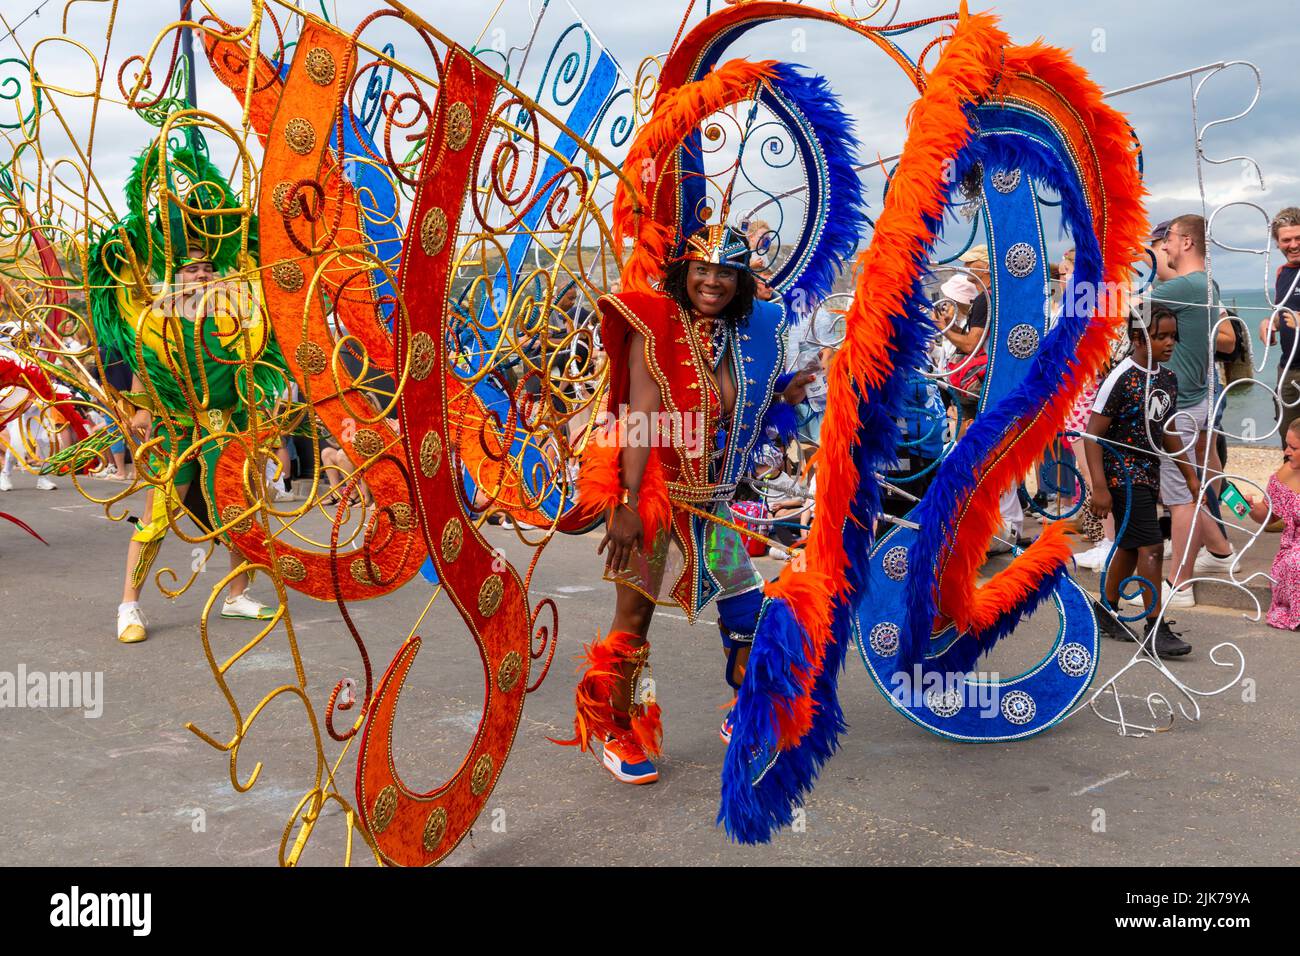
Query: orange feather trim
[648, 729]
[677, 113]
[937, 130]
[594, 713]
[808, 595]
[1119, 232]
[600, 483]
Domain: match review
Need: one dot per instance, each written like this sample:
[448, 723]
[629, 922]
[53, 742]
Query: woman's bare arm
[623, 531]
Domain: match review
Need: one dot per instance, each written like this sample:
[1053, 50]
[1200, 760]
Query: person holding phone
[1283, 501]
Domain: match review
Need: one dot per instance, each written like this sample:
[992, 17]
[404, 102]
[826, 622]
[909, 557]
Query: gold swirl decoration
[295, 270]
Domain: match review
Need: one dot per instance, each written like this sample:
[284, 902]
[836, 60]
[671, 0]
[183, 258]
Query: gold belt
[700, 494]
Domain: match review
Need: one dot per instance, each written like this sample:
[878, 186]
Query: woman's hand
[797, 390]
[624, 536]
[1101, 501]
[141, 424]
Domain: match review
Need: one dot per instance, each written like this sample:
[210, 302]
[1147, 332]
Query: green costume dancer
[188, 345]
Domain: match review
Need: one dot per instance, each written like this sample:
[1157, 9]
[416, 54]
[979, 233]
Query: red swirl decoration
[411, 828]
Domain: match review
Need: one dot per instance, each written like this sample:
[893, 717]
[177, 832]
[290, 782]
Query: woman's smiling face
[710, 288]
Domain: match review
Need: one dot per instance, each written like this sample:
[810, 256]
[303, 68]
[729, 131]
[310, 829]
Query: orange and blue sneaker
[725, 730]
[627, 761]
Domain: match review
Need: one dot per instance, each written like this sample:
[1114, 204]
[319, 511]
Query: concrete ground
[133, 786]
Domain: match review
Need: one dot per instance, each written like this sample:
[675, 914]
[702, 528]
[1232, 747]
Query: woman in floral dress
[1284, 496]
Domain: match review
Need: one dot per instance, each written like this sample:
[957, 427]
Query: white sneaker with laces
[1183, 597]
[1207, 563]
[245, 608]
[5, 483]
[45, 483]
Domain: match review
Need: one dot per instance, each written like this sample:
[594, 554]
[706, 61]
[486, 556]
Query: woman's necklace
[712, 339]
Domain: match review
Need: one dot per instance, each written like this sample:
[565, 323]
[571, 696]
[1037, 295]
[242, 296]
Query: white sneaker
[5, 483]
[246, 608]
[779, 553]
[45, 483]
[131, 625]
[1094, 558]
[281, 495]
[1207, 563]
[1183, 597]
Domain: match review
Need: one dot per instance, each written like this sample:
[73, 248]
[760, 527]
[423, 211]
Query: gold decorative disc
[291, 569]
[482, 775]
[490, 594]
[452, 539]
[433, 231]
[300, 136]
[459, 124]
[320, 66]
[361, 572]
[435, 828]
[368, 443]
[403, 516]
[384, 809]
[311, 357]
[512, 665]
[280, 199]
[422, 355]
[287, 275]
[230, 513]
[430, 454]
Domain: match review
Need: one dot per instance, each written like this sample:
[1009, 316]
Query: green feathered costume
[193, 370]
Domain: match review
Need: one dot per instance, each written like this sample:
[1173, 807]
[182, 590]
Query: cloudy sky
[1120, 42]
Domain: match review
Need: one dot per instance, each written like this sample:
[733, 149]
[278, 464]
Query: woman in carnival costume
[697, 386]
[188, 347]
[696, 377]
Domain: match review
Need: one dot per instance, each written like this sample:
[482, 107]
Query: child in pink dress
[1284, 494]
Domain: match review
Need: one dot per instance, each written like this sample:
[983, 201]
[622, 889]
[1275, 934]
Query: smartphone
[1233, 498]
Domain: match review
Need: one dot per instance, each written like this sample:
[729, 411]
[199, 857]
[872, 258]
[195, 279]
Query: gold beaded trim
[280, 199]
[291, 569]
[320, 66]
[460, 122]
[512, 665]
[452, 539]
[430, 454]
[300, 136]
[384, 809]
[421, 356]
[311, 357]
[287, 275]
[433, 231]
[482, 775]
[403, 516]
[490, 594]
[231, 512]
[368, 443]
[435, 828]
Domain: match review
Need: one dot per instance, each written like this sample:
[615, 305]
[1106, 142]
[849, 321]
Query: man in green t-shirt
[1196, 306]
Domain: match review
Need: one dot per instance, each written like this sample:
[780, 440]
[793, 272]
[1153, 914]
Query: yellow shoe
[130, 626]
